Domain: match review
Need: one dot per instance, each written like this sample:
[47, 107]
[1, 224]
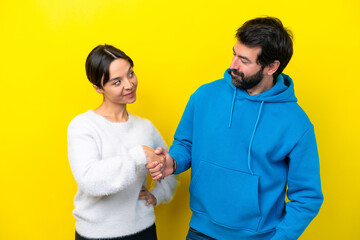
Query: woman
[108, 149]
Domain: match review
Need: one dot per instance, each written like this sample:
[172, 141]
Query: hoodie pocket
[229, 197]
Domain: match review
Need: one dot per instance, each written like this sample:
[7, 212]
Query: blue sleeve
[304, 188]
[181, 147]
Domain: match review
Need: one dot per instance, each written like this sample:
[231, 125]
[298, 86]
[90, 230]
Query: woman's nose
[128, 84]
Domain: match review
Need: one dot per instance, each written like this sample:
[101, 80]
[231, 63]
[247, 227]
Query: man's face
[246, 73]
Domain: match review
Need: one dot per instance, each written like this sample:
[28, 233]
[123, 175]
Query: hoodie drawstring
[252, 137]
[232, 108]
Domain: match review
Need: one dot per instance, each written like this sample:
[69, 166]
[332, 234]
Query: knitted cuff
[138, 154]
[156, 191]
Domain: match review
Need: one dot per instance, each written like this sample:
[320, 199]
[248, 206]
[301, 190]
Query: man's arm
[304, 188]
[179, 157]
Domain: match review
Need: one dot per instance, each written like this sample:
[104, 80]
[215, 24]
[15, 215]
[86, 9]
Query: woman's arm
[164, 190]
[95, 175]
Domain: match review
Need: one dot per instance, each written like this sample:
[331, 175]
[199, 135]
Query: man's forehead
[244, 51]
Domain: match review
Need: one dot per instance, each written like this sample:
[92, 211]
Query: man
[248, 143]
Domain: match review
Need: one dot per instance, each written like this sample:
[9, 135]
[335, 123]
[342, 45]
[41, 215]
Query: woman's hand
[148, 196]
[164, 169]
[153, 157]
[155, 162]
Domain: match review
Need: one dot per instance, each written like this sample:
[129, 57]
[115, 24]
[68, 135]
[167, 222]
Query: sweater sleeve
[304, 188]
[181, 148]
[95, 175]
[163, 191]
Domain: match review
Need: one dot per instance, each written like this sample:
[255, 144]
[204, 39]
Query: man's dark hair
[275, 41]
[98, 62]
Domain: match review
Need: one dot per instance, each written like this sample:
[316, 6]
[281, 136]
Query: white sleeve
[96, 176]
[163, 191]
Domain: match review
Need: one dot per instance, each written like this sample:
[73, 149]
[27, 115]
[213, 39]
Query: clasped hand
[160, 163]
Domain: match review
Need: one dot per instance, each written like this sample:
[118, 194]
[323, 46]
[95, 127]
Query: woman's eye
[131, 74]
[117, 82]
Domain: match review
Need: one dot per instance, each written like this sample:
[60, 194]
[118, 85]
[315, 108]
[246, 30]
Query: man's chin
[237, 83]
[236, 79]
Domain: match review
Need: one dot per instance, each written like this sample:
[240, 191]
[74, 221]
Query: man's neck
[263, 86]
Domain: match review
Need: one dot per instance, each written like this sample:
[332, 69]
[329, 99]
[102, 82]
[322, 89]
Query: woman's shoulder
[82, 119]
[140, 120]
[143, 123]
[83, 116]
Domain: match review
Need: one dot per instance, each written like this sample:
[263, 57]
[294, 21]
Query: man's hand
[148, 196]
[159, 171]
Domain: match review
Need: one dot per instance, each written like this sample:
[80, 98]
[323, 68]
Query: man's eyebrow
[242, 57]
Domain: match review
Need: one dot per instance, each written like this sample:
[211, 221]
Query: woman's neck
[114, 113]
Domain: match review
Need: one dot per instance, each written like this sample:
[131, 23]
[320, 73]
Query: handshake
[159, 163]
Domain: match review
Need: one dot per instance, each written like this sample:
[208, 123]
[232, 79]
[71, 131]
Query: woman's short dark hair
[98, 62]
[275, 41]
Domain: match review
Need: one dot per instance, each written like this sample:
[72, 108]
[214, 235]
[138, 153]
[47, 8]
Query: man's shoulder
[296, 114]
[211, 86]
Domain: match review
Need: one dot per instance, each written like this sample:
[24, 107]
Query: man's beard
[248, 82]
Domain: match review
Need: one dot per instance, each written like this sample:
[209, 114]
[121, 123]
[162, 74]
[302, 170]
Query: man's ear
[272, 67]
[99, 90]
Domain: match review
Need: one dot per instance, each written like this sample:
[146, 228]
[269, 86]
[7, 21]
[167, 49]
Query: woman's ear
[272, 67]
[99, 90]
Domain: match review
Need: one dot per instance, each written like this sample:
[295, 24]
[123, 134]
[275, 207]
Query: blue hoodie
[245, 153]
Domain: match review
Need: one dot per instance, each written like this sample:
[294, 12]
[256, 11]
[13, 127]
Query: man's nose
[234, 63]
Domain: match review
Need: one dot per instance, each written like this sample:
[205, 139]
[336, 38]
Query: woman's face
[121, 87]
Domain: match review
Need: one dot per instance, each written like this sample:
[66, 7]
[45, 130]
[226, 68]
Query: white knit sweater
[108, 164]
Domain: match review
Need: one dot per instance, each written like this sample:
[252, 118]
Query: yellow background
[176, 46]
